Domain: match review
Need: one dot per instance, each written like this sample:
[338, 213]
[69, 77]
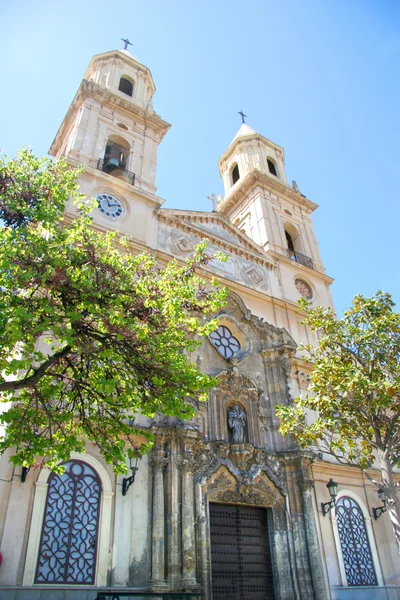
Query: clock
[110, 206]
[304, 289]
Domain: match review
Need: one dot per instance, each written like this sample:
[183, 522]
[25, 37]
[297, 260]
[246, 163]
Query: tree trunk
[392, 499]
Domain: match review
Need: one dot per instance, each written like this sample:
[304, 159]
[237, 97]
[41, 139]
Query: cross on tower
[241, 113]
[127, 43]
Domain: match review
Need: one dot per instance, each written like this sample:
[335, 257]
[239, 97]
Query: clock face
[304, 289]
[110, 206]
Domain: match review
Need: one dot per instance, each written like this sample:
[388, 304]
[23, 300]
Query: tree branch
[31, 380]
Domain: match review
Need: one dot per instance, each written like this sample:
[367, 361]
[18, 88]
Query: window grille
[68, 546]
[354, 543]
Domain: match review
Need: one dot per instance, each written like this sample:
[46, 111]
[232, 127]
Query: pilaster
[189, 580]
[158, 462]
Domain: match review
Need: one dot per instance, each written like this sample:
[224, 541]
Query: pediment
[219, 230]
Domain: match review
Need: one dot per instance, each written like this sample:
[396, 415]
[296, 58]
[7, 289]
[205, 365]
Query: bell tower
[111, 125]
[277, 216]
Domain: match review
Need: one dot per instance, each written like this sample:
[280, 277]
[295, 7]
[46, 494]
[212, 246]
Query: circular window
[304, 289]
[224, 342]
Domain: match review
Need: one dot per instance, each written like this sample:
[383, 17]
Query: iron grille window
[224, 342]
[354, 543]
[68, 546]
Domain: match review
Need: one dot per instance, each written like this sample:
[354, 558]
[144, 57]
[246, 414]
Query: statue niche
[237, 424]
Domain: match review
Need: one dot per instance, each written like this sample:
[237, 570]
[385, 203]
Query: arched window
[116, 154]
[354, 543]
[235, 174]
[224, 342]
[126, 86]
[289, 241]
[271, 167]
[68, 545]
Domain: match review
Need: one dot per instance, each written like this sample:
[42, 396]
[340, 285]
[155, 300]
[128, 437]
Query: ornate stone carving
[225, 488]
[222, 480]
[242, 461]
[232, 385]
[180, 244]
[264, 409]
[255, 277]
[157, 462]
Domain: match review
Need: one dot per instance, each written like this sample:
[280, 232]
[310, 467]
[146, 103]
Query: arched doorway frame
[105, 514]
[222, 487]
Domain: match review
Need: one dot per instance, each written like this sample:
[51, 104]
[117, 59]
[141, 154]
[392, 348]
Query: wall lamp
[379, 510]
[327, 506]
[127, 481]
[24, 473]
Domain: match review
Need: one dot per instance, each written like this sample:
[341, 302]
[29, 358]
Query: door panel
[240, 553]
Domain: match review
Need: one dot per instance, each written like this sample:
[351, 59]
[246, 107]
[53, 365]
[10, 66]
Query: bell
[111, 164]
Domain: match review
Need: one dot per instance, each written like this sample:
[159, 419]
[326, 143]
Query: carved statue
[237, 423]
[295, 187]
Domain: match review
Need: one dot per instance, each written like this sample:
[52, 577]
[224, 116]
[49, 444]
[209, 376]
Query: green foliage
[355, 384]
[90, 334]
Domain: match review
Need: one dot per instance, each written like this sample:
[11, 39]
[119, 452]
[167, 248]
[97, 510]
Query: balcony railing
[306, 261]
[117, 168]
[116, 595]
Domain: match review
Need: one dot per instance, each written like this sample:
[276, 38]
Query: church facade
[223, 506]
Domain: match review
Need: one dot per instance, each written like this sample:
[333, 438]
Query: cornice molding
[126, 188]
[281, 258]
[250, 137]
[256, 177]
[93, 91]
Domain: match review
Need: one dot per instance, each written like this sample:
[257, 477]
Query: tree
[354, 391]
[90, 334]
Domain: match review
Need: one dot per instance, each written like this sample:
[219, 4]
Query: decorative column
[158, 463]
[202, 539]
[173, 511]
[277, 364]
[314, 550]
[188, 531]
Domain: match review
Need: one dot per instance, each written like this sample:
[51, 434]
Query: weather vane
[241, 113]
[127, 43]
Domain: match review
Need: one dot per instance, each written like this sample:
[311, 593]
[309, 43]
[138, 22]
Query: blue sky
[318, 77]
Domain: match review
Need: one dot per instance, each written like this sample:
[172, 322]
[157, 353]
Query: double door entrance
[240, 553]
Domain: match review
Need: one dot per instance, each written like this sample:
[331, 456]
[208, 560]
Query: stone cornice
[126, 188]
[306, 270]
[120, 55]
[256, 177]
[302, 366]
[89, 89]
[248, 138]
[186, 221]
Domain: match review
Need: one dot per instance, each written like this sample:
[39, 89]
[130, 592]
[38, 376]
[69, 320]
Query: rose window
[304, 289]
[224, 342]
